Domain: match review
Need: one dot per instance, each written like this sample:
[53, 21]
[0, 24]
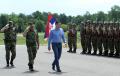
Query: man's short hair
[56, 22]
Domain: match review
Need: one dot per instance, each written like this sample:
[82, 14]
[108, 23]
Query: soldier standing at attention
[105, 39]
[94, 39]
[83, 38]
[69, 38]
[88, 38]
[119, 38]
[111, 40]
[32, 43]
[72, 39]
[100, 35]
[10, 42]
[116, 39]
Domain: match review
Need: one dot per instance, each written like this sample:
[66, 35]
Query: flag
[50, 25]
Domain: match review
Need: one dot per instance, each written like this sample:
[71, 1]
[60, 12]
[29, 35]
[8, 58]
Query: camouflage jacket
[88, 33]
[72, 33]
[31, 38]
[82, 33]
[111, 34]
[10, 34]
[105, 33]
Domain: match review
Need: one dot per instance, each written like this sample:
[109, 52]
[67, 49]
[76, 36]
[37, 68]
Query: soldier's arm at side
[76, 35]
[38, 40]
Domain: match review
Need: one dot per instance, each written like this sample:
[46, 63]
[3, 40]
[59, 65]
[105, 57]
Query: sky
[68, 7]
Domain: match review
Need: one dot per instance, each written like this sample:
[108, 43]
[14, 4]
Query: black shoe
[116, 55]
[83, 52]
[59, 70]
[69, 51]
[110, 54]
[94, 53]
[74, 52]
[100, 53]
[11, 63]
[89, 52]
[7, 65]
[53, 67]
[105, 54]
[31, 67]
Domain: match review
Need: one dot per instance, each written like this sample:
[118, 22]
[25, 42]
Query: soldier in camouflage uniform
[10, 42]
[119, 38]
[94, 38]
[111, 40]
[105, 38]
[88, 37]
[32, 43]
[99, 38]
[72, 39]
[83, 38]
[116, 39]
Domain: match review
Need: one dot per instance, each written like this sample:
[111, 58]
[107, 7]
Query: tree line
[40, 18]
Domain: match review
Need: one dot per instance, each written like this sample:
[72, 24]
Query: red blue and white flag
[50, 25]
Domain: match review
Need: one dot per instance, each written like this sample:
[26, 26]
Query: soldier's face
[31, 28]
[10, 24]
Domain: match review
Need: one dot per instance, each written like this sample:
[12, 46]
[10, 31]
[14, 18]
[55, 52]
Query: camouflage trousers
[32, 51]
[99, 44]
[94, 44]
[105, 45]
[117, 45]
[72, 44]
[111, 45]
[10, 48]
[83, 44]
[88, 45]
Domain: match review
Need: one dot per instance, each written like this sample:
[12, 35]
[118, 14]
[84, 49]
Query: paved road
[71, 64]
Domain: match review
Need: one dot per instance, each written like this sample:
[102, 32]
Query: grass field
[21, 39]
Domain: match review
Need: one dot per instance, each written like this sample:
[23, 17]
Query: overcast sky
[69, 7]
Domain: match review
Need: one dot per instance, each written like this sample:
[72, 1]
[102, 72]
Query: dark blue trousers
[57, 49]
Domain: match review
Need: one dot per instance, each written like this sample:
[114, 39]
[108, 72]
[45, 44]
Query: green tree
[87, 16]
[13, 17]
[101, 16]
[63, 18]
[21, 26]
[65, 27]
[3, 20]
[39, 25]
[114, 13]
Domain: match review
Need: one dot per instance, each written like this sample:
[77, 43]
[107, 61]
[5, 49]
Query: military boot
[94, 53]
[83, 52]
[117, 54]
[7, 63]
[111, 54]
[30, 67]
[100, 53]
[11, 63]
[105, 53]
[74, 51]
[89, 52]
[70, 50]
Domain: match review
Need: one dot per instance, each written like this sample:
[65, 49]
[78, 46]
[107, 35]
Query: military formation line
[101, 37]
